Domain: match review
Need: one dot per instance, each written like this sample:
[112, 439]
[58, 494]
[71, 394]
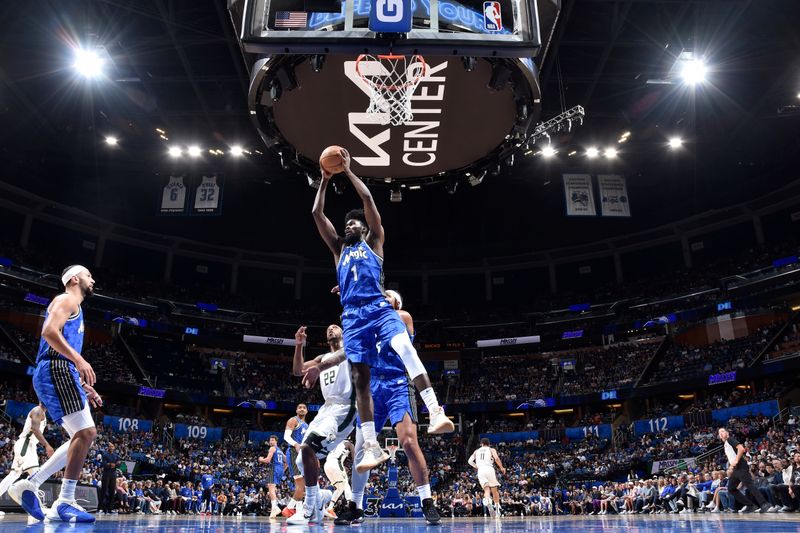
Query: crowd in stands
[682, 362]
[613, 367]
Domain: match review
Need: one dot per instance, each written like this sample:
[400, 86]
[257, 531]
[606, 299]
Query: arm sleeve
[287, 436]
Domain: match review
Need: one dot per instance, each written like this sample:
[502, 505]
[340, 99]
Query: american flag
[291, 19]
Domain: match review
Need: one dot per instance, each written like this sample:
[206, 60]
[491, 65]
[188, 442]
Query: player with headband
[64, 382]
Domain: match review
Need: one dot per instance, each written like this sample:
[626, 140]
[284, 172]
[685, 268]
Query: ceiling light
[675, 143]
[610, 153]
[111, 140]
[548, 152]
[694, 71]
[175, 151]
[592, 152]
[88, 63]
[194, 151]
[236, 150]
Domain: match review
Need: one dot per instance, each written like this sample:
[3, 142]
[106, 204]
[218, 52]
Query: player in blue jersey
[207, 482]
[368, 318]
[276, 464]
[393, 398]
[63, 381]
[296, 428]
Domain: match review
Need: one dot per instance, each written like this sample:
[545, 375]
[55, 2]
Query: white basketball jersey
[335, 382]
[483, 457]
[174, 196]
[27, 429]
[206, 197]
[339, 454]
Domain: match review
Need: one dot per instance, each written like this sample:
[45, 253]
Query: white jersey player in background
[337, 474]
[26, 458]
[483, 459]
[334, 421]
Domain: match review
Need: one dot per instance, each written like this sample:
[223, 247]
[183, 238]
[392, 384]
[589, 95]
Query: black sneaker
[346, 515]
[430, 512]
[359, 517]
[749, 509]
[766, 508]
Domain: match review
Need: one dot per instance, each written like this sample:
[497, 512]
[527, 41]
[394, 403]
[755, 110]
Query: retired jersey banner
[208, 197]
[614, 201]
[173, 197]
[579, 196]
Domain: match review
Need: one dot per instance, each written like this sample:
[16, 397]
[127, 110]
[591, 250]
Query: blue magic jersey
[360, 275]
[300, 431]
[73, 333]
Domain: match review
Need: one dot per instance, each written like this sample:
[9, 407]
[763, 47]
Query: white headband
[73, 271]
[396, 296]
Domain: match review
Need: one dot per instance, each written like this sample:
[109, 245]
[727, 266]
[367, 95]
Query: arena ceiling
[175, 66]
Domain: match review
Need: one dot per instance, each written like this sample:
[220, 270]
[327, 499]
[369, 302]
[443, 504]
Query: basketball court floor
[586, 524]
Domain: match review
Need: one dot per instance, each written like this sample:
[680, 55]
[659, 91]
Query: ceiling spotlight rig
[562, 123]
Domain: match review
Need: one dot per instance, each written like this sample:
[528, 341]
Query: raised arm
[324, 225]
[60, 310]
[317, 365]
[298, 365]
[375, 235]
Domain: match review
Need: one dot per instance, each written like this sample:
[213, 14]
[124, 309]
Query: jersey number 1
[355, 273]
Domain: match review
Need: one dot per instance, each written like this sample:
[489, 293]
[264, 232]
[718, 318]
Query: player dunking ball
[334, 421]
[483, 459]
[296, 428]
[26, 458]
[276, 463]
[367, 316]
[63, 381]
[393, 398]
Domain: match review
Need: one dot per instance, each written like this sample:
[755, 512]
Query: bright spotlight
[592, 152]
[694, 72]
[175, 151]
[675, 143]
[548, 151]
[610, 153]
[194, 151]
[88, 63]
[111, 140]
[236, 150]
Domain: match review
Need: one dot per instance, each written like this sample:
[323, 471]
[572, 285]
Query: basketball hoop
[392, 80]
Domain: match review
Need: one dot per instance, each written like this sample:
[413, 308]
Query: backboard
[482, 28]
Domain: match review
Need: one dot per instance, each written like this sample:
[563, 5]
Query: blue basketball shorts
[367, 325]
[58, 386]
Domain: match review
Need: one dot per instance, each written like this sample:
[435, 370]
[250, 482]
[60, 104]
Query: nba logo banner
[492, 19]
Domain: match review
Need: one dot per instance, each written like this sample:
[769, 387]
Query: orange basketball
[330, 159]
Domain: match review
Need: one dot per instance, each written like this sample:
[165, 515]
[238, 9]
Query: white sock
[292, 503]
[311, 496]
[274, 504]
[368, 430]
[68, 489]
[424, 491]
[56, 462]
[429, 397]
[358, 497]
[8, 481]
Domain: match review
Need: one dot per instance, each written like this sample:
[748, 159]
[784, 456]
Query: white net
[392, 80]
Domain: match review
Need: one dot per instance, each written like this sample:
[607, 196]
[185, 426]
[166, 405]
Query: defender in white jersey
[26, 458]
[337, 474]
[334, 421]
[483, 459]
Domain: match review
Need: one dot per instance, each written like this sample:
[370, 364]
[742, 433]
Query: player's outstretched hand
[300, 336]
[345, 159]
[94, 399]
[336, 290]
[325, 175]
[85, 371]
[310, 376]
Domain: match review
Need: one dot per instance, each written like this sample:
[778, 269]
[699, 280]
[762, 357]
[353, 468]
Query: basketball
[330, 160]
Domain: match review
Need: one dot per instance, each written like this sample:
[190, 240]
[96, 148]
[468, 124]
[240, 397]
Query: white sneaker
[373, 456]
[68, 511]
[301, 518]
[29, 497]
[439, 423]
